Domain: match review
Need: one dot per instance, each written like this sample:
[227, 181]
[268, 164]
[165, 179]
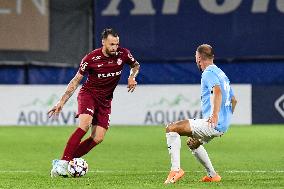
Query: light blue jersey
[211, 77]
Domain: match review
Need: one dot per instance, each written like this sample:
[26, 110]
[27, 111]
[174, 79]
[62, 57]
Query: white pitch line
[256, 171]
[16, 171]
[124, 171]
[229, 171]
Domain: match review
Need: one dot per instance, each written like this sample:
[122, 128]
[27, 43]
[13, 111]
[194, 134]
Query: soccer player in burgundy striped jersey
[103, 67]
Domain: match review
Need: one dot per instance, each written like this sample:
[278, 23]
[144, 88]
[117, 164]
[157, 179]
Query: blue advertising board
[267, 104]
[172, 29]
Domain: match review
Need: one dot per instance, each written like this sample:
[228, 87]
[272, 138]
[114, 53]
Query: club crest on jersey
[119, 61]
[112, 74]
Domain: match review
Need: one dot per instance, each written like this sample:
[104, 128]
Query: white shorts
[202, 131]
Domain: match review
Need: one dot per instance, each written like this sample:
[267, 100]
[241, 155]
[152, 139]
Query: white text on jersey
[104, 75]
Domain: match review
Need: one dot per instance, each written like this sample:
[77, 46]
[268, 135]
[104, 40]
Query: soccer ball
[77, 167]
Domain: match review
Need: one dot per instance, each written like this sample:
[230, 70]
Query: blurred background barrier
[149, 105]
[24, 18]
[268, 104]
[268, 72]
[172, 29]
[29, 104]
[43, 42]
[66, 32]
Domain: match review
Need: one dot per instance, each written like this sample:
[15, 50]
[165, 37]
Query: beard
[110, 53]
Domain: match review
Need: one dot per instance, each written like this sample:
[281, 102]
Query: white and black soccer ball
[77, 167]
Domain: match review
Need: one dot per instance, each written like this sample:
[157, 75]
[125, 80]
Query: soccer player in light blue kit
[218, 104]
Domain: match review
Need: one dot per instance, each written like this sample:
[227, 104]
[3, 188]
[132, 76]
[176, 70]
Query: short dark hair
[205, 51]
[109, 31]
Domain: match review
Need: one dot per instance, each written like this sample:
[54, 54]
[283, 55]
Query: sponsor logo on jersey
[96, 57]
[100, 65]
[119, 61]
[112, 74]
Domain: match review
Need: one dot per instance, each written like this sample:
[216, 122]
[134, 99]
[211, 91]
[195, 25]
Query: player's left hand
[55, 110]
[213, 120]
[131, 84]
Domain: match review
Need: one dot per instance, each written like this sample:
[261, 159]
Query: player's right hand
[213, 120]
[55, 110]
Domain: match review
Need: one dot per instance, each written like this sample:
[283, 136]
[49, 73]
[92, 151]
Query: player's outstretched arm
[71, 88]
[133, 73]
[234, 103]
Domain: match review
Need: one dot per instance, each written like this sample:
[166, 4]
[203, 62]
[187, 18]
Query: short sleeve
[129, 59]
[231, 92]
[210, 79]
[83, 68]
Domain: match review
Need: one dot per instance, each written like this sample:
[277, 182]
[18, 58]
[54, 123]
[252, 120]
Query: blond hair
[205, 51]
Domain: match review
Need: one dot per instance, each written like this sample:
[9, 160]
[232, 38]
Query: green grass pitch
[137, 157]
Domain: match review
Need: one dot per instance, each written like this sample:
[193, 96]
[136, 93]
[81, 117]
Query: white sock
[202, 156]
[174, 144]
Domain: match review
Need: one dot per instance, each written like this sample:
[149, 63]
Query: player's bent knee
[193, 143]
[84, 127]
[170, 127]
